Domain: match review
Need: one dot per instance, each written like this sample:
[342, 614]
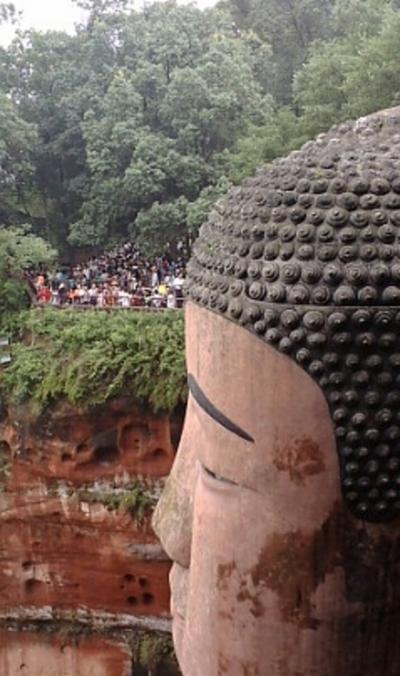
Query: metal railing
[5, 351]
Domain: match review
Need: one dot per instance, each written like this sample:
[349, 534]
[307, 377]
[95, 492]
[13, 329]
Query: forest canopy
[134, 125]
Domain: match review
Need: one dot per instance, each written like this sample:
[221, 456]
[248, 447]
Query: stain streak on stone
[293, 565]
[225, 571]
[250, 669]
[296, 563]
[301, 460]
[223, 665]
[257, 609]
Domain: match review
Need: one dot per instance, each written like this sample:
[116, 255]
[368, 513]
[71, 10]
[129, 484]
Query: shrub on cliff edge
[91, 357]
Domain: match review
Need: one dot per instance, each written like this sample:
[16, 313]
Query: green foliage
[355, 74]
[153, 655]
[135, 499]
[284, 133]
[130, 112]
[159, 227]
[352, 73]
[131, 126]
[326, 71]
[198, 211]
[4, 463]
[53, 78]
[13, 298]
[289, 27]
[89, 358]
[213, 103]
[359, 19]
[155, 229]
[18, 140]
[19, 250]
[138, 502]
[169, 109]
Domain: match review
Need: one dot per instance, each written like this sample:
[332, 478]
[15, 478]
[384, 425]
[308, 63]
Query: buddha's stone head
[281, 512]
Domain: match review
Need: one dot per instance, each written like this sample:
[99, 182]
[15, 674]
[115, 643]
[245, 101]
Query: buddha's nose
[172, 521]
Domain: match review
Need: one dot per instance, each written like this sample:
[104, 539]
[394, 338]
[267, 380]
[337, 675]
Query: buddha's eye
[217, 477]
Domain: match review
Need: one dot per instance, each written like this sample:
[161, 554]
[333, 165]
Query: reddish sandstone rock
[65, 553]
[74, 542]
[120, 439]
[30, 654]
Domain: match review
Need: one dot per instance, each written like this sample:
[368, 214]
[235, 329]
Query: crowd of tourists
[121, 278]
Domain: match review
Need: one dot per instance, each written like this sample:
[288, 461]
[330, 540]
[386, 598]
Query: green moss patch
[153, 655]
[136, 499]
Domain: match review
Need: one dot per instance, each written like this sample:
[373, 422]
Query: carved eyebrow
[213, 412]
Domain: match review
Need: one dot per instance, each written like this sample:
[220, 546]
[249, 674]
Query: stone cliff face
[83, 580]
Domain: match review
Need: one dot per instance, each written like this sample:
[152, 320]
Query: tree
[356, 73]
[8, 13]
[197, 211]
[282, 134]
[359, 19]
[131, 111]
[18, 140]
[207, 107]
[183, 91]
[98, 8]
[54, 78]
[143, 116]
[20, 250]
[161, 227]
[41, 79]
[373, 81]
[289, 26]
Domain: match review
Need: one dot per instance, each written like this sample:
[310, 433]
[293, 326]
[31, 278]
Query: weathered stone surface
[64, 553]
[75, 507]
[31, 654]
[122, 439]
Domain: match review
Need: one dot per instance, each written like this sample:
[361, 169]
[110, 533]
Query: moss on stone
[152, 652]
[138, 502]
[4, 464]
[137, 499]
[153, 655]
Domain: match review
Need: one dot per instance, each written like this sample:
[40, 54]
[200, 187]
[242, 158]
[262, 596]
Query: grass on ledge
[91, 357]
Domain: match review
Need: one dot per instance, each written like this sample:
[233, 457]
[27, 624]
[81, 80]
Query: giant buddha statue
[282, 511]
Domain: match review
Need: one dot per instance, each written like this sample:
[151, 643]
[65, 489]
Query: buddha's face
[252, 494]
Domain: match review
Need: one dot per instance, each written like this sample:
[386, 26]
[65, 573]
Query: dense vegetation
[135, 124]
[20, 249]
[88, 358]
[132, 128]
